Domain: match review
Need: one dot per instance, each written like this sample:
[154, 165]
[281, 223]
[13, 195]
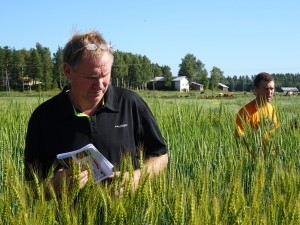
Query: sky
[239, 37]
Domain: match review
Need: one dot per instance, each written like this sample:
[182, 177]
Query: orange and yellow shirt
[252, 116]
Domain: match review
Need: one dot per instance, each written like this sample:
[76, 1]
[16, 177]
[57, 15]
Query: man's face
[265, 91]
[90, 79]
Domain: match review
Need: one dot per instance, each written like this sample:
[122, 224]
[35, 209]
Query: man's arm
[157, 164]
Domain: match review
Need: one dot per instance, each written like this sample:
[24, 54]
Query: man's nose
[99, 81]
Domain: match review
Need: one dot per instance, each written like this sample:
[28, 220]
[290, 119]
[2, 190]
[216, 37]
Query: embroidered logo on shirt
[121, 126]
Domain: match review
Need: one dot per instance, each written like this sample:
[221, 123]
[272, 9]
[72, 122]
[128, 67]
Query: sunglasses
[94, 47]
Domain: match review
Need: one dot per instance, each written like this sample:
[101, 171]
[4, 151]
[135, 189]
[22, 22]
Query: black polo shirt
[120, 126]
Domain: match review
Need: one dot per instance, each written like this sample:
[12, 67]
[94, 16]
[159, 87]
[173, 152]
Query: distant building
[196, 86]
[181, 84]
[285, 90]
[158, 83]
[222, 87]
[178, 83]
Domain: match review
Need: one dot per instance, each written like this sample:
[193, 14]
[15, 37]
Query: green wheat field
[209, 180]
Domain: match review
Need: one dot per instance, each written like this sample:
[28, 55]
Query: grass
[209, 180]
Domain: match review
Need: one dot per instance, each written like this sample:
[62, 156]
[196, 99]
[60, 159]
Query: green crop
[209, 179]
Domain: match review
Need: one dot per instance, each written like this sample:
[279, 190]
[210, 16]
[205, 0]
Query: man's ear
[67, 71]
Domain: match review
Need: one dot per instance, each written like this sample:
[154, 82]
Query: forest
[39, 69]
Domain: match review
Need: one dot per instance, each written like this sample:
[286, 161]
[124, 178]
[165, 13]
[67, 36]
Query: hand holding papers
[88, 154]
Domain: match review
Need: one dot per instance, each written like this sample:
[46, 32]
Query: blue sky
[239, 37]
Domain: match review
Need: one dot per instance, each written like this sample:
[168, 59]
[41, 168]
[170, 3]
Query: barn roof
[294, 89]
[194, 83]
[223, 85]
[159, 79]
[179, 78]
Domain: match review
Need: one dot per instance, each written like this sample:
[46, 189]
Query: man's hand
[126, 177]
[66, 174]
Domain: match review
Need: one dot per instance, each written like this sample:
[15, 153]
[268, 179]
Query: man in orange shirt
[258, 115]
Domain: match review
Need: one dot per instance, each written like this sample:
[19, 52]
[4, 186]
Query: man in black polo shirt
[90, 110]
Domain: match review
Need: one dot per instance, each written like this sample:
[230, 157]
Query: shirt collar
[110, 101]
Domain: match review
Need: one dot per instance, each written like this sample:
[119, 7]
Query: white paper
[88, 154]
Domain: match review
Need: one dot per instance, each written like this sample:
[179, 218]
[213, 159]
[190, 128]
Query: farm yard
[209, 180]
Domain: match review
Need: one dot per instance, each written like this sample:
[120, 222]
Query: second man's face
[265, 91]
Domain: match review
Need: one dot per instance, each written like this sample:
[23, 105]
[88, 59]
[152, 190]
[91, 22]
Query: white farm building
[181, 84]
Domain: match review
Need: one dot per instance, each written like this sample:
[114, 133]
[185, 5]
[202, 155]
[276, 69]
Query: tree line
[37, 69]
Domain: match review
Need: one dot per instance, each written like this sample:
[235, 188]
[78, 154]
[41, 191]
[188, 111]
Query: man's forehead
[96, 75]
[96, 62]
[264, 83]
